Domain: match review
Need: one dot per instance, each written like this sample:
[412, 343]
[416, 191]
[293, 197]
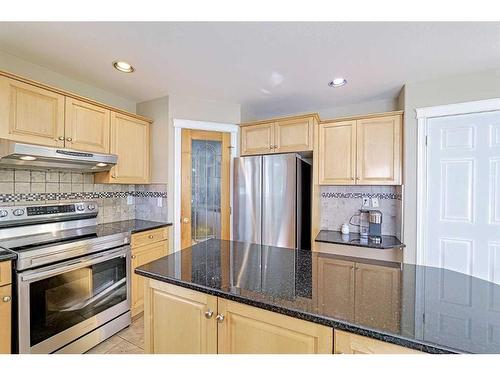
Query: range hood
[27, 156]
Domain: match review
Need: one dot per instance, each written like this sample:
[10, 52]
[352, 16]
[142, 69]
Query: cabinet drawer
[349, 343]
[149, 237]
[5, 273]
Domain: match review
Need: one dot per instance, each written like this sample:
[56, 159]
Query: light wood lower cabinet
[350, 343]
[5, 307]
[179, 320]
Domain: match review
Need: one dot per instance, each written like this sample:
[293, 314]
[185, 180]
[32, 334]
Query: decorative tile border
[362, 195]
[32, 197]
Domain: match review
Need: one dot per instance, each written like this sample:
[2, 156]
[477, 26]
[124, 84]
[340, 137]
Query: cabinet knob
[357, 178]
[133, 256]
[151, 236]
[113, 175]
[208, 314]
[220, 318]
[61, 138]
[352, 178]
[6, 299]
[185, 220]
[69, 139]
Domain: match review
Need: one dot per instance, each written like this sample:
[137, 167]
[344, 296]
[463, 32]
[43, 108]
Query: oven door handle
[57, 269]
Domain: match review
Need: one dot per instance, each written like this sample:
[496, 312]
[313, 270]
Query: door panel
[140, 256]
[279, 200]
[257, 139]
[87, 126]
[175, 320]
[247, 219]
[293, 135]
[337, 153]
[31, 114]
[379, 150]
[249, 330]
[5, 318]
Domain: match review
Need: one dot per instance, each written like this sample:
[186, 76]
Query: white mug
[345, 228]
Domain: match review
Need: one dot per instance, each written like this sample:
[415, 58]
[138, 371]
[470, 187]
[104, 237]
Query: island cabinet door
[179, 320]
[350, 343]
[5, 318]
[243, 329]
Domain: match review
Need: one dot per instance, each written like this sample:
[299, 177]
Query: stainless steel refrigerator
[272, 200]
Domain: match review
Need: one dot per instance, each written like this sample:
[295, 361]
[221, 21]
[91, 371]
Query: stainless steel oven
[72, 278]
[60, 303]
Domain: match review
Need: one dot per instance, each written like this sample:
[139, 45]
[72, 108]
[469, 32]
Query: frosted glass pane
[206, 186]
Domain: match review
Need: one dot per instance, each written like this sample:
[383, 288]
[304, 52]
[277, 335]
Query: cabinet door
[336, 288]
[87, 126]
[378, 296]
[142, 255]
[293, 135]
[337, 153]
[130, 141]
[178, 320]
[5, 273]
[31, 114]
[250, 330]
[349, 343]
[379, 151]
[5, 318]
[257, 139]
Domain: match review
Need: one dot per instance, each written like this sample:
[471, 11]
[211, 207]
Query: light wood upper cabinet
[350, 343]
[379, 151]
[87, 126]
[336, 284]
[378, 290]
[257, 139]
[250, 330]
[293, 135]
[179, 320]
[360, 151]
[130, 141]
[31, 114]
[337, 153]
[140, 256]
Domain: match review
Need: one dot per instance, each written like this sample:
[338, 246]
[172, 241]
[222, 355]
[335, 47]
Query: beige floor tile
[134, 333]
[125, 347]
[106, 345]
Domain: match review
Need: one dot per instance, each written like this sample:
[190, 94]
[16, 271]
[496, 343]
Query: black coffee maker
[375, 225]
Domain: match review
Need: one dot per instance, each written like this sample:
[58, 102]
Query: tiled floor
[128, 341]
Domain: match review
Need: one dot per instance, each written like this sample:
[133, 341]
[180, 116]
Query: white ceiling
[267, 67]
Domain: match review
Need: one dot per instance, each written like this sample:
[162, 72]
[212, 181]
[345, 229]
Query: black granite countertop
[7, 255]
[354, 239]
[130, 226]
[448, 313]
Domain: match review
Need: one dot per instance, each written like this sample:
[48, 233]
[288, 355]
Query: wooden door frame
[180, 124]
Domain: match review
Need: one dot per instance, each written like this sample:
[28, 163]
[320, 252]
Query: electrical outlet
[159, 202]
[366, 202]
[374, 202]
[130, 200]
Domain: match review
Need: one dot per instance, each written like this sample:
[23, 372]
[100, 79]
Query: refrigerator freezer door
[279, 200]
[247, 215]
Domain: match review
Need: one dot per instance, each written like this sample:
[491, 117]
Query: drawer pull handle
[6, 299]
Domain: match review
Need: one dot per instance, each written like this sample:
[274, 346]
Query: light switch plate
[130, 200]
[374, 202]
[160, 202]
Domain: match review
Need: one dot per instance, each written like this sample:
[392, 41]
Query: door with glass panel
[204, 186]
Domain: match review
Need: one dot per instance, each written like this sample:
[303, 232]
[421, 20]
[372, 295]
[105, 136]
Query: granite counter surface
[6, 255]
[449, 313]
[354, 239]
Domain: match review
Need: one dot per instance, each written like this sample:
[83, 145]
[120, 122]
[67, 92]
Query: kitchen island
[233, 297]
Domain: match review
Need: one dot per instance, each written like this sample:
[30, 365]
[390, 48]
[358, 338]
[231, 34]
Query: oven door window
[61, 301]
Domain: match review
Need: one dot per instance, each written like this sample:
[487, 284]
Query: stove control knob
[3, 213]
[80, 208]
[18, 212]
[91, 207]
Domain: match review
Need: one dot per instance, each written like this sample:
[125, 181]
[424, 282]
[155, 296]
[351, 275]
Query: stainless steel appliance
[272, 200]
[24, 155]
[72, 279]
[375, 224]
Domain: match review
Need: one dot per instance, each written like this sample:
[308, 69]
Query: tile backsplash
[116, 201]
[339, 203]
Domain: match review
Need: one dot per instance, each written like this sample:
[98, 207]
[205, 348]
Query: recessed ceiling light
[27, 158]
[101, 165]
[337, 82]
[123, 66]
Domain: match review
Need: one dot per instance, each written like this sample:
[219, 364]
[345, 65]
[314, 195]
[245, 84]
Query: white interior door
[463, 194]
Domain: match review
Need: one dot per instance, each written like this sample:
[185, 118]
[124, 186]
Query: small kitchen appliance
[375, 224]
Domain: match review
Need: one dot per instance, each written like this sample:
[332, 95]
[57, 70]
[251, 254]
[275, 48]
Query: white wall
[157, 109]
[456, 89]
[13, 64]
